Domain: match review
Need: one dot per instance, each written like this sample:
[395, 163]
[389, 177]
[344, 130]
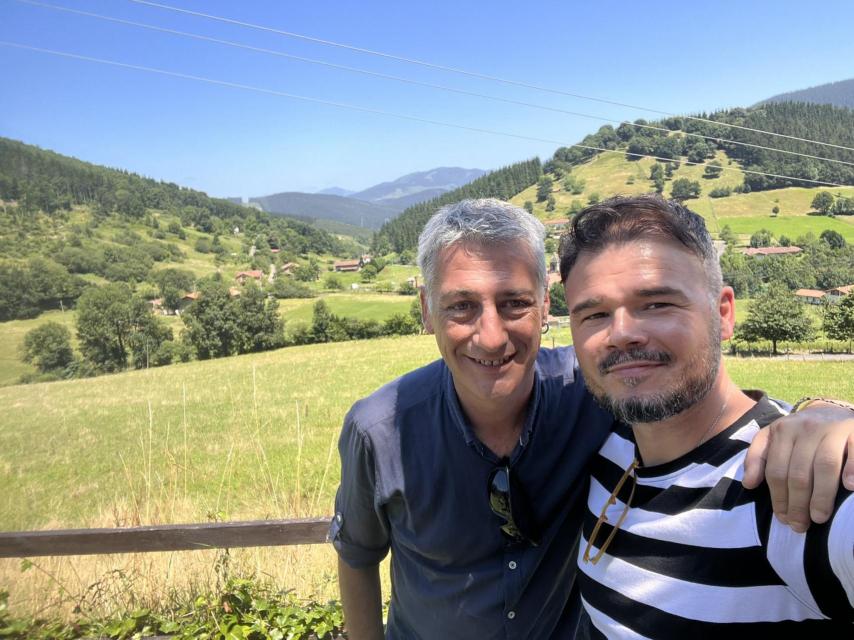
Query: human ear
[726, 309]
[426, 320]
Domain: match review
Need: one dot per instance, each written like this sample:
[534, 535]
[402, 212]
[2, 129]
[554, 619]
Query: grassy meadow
[237, 438]
[608, 174]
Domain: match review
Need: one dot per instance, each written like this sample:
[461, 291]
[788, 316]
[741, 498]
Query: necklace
[715, 423]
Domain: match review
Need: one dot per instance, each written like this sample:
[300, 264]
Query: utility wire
[410, 81]
[471, 74]
[342, 105]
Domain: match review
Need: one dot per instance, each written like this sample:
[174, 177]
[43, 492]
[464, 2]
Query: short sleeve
[359, 530]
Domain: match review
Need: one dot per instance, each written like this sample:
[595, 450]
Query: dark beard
[662, 406]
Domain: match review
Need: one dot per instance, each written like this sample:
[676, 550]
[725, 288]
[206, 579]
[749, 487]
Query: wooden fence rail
[170, 537]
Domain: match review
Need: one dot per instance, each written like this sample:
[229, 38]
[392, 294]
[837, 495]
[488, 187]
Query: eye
[658, 305]
[598, 315]
[459, 306]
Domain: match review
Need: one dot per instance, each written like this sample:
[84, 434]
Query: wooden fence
[171, 537]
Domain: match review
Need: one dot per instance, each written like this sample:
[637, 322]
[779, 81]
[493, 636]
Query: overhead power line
[390, 114]
[411, 81]
[471, 74]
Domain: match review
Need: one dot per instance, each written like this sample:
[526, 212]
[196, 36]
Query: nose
[491, 334]
[626, 331]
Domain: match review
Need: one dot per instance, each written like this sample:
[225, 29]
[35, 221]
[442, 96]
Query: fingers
[848, 470]
[754, 462]
[780, 443]
[826, 468]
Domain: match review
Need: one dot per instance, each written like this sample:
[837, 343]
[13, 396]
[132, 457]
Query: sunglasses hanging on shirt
[508, 501]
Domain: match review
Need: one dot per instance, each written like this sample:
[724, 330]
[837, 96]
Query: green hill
[66, 224]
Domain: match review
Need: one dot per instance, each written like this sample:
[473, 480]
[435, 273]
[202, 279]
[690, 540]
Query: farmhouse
[347, 265]
[288, 268]
[810, 296]
[838, 292]
[761, 252]
[186, 301]
[243, 276]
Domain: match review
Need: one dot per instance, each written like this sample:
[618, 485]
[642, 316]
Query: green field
[250, 436]
[791, 226]
[610, 174]
[364, 306]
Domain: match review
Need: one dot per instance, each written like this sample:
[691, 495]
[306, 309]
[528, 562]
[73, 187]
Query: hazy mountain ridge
[418, 187]
[335, 191]
[371, 207]
[348, 210]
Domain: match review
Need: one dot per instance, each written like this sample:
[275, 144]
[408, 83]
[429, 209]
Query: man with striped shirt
[673, 545]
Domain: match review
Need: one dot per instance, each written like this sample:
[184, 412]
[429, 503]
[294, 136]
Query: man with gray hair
[472, 469]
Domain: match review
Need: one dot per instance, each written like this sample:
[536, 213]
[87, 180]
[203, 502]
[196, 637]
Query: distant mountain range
[839, 94]
[374, 206]
[319, 206]
[336, 191]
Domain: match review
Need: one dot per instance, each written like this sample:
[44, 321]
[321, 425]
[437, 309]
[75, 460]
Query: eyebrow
[660, 291]
[468, 293]
[642, 293]
[586, 304]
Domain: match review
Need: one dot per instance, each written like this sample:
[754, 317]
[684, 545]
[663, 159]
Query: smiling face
[646, 328]
[487, 312]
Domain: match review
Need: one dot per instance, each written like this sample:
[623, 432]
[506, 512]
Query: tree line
[116, 330]
[401, 233]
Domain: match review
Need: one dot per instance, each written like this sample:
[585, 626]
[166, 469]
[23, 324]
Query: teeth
[493, 363]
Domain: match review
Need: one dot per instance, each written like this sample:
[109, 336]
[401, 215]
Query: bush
[284, 288]
[48, 347]
[203, 245]
[720, 192]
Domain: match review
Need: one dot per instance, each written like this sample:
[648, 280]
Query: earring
[545, 328]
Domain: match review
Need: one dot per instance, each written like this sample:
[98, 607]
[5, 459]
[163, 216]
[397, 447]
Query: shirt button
[511, 615]
[512, 564]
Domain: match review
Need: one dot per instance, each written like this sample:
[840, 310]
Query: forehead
[637, 264]
[472, 266]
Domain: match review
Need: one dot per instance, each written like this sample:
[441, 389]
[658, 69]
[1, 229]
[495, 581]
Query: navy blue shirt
[414, 480]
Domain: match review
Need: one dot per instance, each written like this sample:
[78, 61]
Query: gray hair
[485, 222]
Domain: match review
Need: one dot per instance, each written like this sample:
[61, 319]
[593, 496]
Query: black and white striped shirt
[700, 556]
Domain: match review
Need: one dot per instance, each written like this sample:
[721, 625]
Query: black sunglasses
[508, 501]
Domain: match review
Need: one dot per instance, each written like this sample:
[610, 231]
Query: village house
[243, 276]
[186, 301]
[837, 293]
[288, 268]
[810, 296]
[343, 266]
[761, 252]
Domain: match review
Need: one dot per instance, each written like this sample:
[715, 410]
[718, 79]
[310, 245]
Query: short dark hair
[627, 218]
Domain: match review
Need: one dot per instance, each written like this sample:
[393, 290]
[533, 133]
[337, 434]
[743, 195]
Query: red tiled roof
[810, 293]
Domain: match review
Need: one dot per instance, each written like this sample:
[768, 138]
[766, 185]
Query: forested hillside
[40, 180]
[839, 94]
[402, 233]
[697, 141]
[65, 224]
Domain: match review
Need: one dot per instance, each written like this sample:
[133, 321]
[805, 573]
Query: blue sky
[670, 56]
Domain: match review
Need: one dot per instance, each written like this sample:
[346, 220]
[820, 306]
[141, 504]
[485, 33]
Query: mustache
[632, 355]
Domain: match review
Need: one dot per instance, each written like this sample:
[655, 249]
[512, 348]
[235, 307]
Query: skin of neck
[498, 425]
[666, 440]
